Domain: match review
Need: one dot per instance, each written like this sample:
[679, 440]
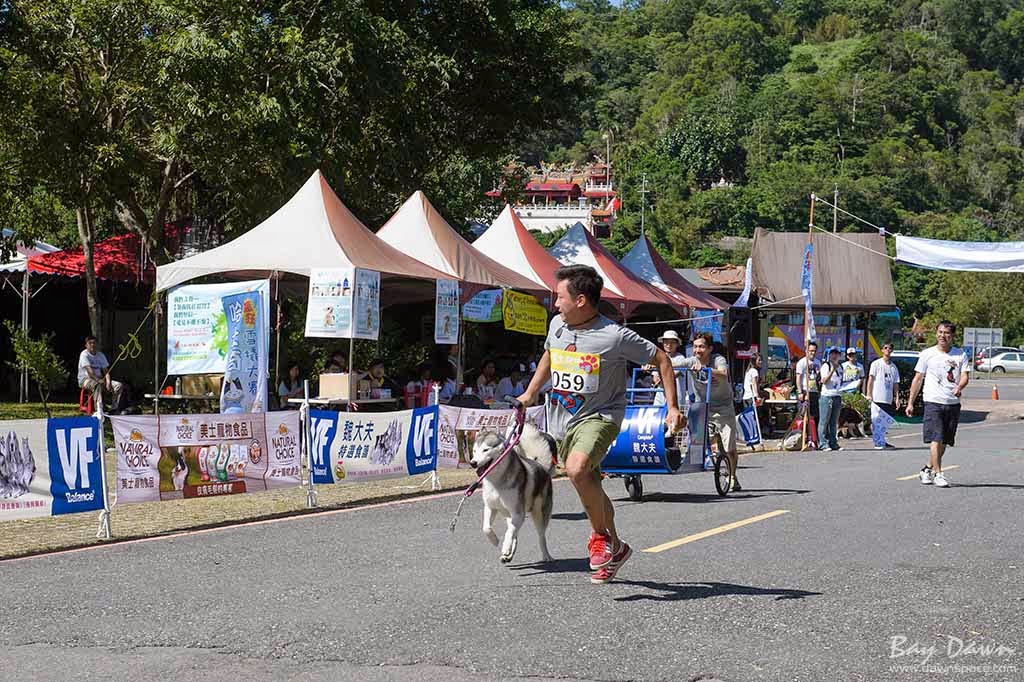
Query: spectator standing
[752, 382]
[853, 370]
[884, 392]
[807, 371]
[831, 401]
[945, 373]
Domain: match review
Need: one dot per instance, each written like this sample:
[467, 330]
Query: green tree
[37, 356]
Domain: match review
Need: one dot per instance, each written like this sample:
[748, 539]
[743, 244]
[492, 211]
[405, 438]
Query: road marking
[913, 476]
[715, 531]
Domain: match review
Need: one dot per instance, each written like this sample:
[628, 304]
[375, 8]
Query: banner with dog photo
[49, 467]
[460, 424]
[354, 446]
[188, 456]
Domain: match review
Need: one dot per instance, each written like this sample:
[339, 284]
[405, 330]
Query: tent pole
[351, 370]
[23, 383]
[156, 343]
[277, 342]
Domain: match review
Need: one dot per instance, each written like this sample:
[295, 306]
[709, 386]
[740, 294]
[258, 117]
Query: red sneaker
[600, 548]
[606, 573]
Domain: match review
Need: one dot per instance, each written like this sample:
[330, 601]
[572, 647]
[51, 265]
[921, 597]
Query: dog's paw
[491, 537]
[509, 551]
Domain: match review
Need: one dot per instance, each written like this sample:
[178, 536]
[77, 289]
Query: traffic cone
[995, 392]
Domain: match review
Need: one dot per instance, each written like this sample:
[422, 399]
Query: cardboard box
[201, 384]
[338, 385]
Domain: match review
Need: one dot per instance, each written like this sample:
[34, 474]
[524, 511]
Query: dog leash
[513, 441]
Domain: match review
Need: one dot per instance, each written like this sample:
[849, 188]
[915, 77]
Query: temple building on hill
[559, 198]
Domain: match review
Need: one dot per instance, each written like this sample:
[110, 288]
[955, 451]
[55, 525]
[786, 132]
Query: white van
[778, 355]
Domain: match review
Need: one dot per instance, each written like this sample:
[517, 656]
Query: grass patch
[828, 57]
[36, 411]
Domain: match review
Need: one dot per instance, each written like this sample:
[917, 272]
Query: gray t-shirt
[589, 369]
[721, 389]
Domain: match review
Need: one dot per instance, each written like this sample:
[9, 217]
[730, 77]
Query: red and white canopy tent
[419, 231]
[644, 261]
[508, 240]
[579, 246]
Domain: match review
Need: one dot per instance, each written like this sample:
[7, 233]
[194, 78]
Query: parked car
[905, 361]
[1003, 362]
[991, 352]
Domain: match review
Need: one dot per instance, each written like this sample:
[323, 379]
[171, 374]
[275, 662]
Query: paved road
[1011, 386]
[816, 593]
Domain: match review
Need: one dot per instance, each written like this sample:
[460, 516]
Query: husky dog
[17, 466]
[520, 484]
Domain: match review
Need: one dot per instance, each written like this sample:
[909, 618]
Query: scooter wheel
[635, 488]
[723, 479]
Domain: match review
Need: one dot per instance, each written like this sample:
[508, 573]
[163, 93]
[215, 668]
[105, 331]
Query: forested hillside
[912, 109]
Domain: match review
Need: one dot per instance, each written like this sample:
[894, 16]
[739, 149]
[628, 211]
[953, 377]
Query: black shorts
[940, 422]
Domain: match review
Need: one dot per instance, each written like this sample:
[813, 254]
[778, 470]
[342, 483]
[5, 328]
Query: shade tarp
[23, 252]
[847, 275]
[420, 232]
[644, 261]
[314, 229]
[117, 258]
[579, 246]
[939, 254]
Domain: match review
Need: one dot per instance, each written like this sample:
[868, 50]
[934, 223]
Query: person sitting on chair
[94, 374]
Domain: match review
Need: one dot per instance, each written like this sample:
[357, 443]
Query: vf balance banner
[197, 330]
[352, 446]
[50, 467]
[204, 455]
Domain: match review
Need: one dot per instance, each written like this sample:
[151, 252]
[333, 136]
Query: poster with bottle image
[190, 456]
[329, 311]
[366, 306]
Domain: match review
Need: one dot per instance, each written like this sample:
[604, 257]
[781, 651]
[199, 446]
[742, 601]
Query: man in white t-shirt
[831, 401]
[945, 373]
[93, 374]
[807, 391]
[884, 392]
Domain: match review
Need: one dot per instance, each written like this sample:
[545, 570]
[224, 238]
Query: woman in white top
[751, 382]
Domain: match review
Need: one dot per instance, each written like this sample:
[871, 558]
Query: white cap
[670, 334]
[851, 350]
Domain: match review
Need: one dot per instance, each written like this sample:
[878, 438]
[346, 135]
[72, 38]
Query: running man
[587, 357]
[944, 371]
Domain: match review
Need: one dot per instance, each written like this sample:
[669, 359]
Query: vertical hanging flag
[805, 289]
[446, 312]
[743, 300]
[245, 376]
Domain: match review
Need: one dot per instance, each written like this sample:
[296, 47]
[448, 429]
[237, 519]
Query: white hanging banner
[446, 312]
[197, 331]
[366, 307]
[939, 254]
[329, 310]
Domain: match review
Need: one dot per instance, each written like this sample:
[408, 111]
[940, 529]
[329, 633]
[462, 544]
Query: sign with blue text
[354, 446]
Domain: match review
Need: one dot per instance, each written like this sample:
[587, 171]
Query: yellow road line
[913, 476]
[715, 531]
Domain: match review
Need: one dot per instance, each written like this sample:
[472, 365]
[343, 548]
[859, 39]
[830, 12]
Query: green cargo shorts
[593, 435]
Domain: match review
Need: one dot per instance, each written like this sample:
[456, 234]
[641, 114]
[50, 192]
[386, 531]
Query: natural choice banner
[49, 467]
[186, 456]
[197, 330]
[353, 446]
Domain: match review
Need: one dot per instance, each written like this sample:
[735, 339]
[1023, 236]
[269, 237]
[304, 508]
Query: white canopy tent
[9, 271]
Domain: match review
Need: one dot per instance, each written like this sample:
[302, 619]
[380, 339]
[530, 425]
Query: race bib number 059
[575, 372]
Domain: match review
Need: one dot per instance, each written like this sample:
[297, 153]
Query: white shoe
[926, 476]
[940, 480]
[879, 447]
